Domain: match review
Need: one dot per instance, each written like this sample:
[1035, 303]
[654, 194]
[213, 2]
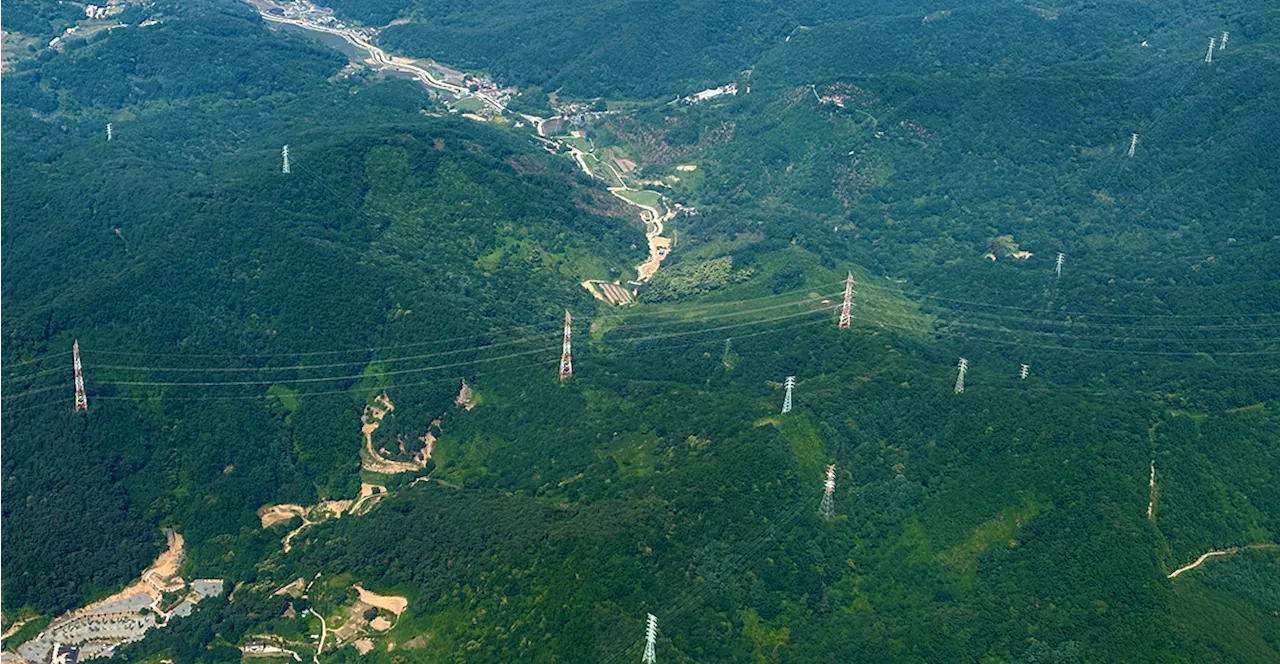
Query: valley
[303, 14]
[782, 332]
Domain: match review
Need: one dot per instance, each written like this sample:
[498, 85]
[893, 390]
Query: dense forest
[180, 238]
[644, 49]
[235, 321]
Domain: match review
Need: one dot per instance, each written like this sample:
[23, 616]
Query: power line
[549, 325]
[420, 383]
[942, 325]
[33, 392]
[307, 367]
[40, 359]
[323, 379]
[341, 391]
[907, 295]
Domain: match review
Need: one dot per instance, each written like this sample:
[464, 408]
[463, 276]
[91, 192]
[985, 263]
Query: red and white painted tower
[566, 355]
[82, 403]
[846, 316]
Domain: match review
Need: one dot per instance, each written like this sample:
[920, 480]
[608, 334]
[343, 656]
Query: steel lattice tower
[828, 508]
[786, 401]
[964, 366]
[650, 640]
[566, 355]
[284, 154]
[82, 402]
[846, 318]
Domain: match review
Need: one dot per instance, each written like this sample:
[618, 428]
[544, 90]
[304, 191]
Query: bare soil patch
[273, 514]
[371, 460]
[392, 603]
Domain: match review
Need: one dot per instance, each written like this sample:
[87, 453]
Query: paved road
[324, 630]
[654, 220]
[380, 56]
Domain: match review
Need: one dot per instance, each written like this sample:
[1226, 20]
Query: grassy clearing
[430, 638]
[468, 105]
[756, 299]
[374, 381]
[633, 452]
[28, 631]
[643, 197]
[17, 47]
[1003, 528]
[582, 144]
[610, 176]
[801, 433]
[287, 398]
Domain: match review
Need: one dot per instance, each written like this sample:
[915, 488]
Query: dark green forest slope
[234, 321]
[181, 238]
[647, 49]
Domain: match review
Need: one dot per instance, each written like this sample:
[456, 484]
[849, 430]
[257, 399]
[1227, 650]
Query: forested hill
[180, 239]
[647, 49]
[267, 351]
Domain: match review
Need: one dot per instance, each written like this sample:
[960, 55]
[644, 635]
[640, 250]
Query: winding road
[1200, 561]
[385, 61]
[659, 247]
[1223, 552]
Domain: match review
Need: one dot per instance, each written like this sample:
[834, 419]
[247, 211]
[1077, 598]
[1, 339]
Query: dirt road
[1200, 561]
[1222, 552]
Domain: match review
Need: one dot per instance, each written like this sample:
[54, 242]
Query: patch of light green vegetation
[633, 452]
[373, 381]
[458, 461]
[583, 144]
[431, 638]
[768, 642]
[801, 434]
[789, 282]
[286, 398]
[27, 631]
[647, 197]
[582, 265]
[693, 278]
[1000, 529]
[468, 104]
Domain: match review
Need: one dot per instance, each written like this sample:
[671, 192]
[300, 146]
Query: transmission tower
[1208, 57]
[786, 402]
[1223, 44]
[650, 640]
[1133, 144]
[828, 508]
[82, 402]
[566, 355]
[846, 318]
[1058, 268]
[109, 131]
[1024, 371]
[284, 154]
[964, 366]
